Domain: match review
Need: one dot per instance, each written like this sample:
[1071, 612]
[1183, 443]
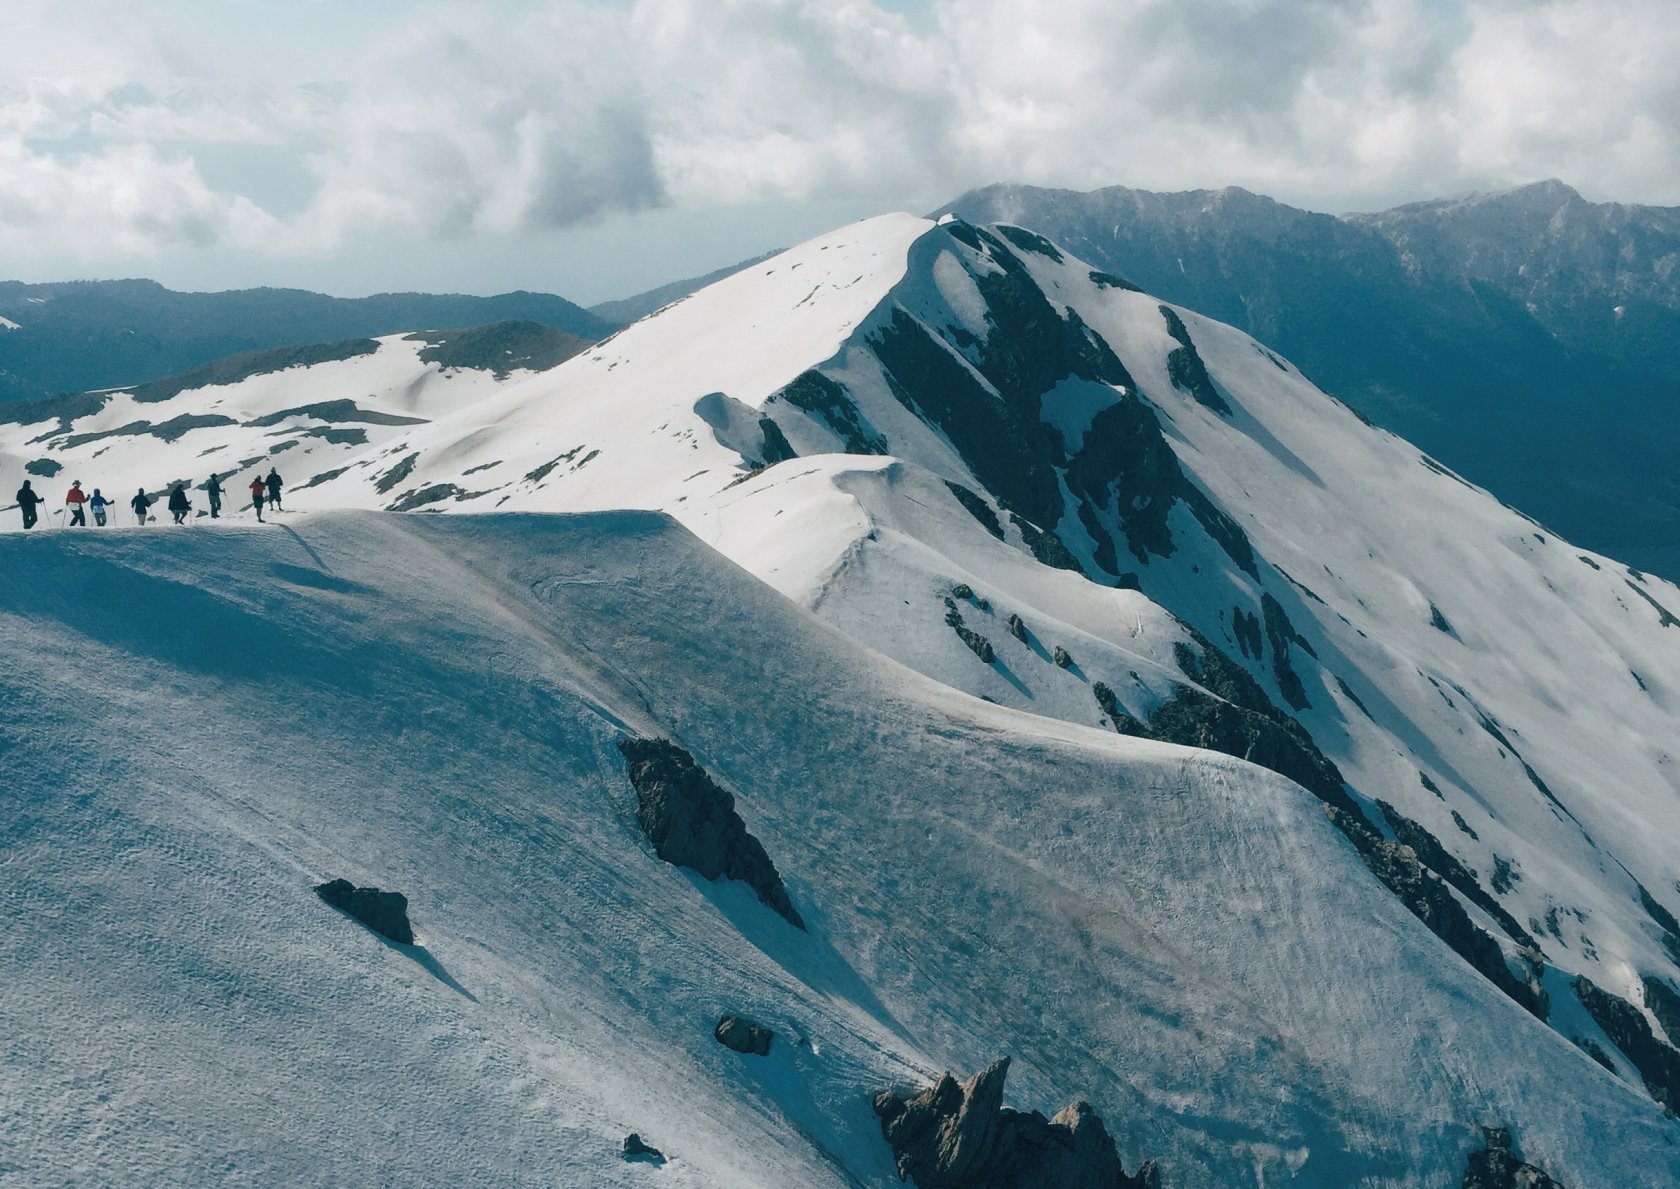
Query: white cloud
[505, 118]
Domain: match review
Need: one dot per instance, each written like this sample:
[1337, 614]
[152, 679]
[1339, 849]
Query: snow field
[430, 705]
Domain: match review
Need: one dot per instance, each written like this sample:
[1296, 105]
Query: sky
[596, 148]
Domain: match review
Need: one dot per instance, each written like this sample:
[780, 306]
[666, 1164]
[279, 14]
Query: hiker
[274, 489]
[98, 503]
[141, 506]
[27, 498]
[76, 500]
[258, 489]
[213, 489]
[178, 505]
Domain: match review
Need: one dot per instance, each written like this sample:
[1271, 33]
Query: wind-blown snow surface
[200, 725]
[1453, 644]
[879, 419]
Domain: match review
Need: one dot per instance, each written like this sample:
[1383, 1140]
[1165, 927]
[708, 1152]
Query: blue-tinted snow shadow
[1038, 649]
[426, 960]
[183, 625]
[1003, 671]
[803, 953]
[314, 579]
[307, 548]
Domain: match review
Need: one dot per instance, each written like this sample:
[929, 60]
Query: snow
[1178, 936]
[8, 324]
[271, 425]
[1173, 934]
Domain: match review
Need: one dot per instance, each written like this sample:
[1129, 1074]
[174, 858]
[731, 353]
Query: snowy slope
[304, 420]
[1173, 934]
[968, 452]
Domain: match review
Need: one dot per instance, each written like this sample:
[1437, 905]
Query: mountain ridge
[78, 336]
[1537, 360]
[998, 474]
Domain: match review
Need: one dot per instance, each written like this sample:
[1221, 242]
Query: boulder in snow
[692, 822]
[386, 913]
[637, 1151]
[744, 1036]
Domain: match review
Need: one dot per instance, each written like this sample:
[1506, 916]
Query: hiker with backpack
[28, 498]
[178, 503]
[274, 489]
[213, 489]
[76, 500]
[141, 506]
[258, 490]
[98, 503]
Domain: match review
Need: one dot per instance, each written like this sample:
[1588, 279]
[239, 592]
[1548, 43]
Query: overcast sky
[598, 148]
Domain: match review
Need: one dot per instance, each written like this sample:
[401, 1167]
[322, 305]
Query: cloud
[123, 201]
[508, 117]
[468, 124]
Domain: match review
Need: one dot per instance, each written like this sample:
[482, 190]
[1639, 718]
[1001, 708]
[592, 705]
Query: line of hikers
[79, 503]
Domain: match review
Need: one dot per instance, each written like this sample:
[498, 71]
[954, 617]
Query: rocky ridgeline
[1498, 1167]
[961, 1136]
[1236, 717]
[692, 822]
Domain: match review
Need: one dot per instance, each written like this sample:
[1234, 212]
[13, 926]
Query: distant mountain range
[1530, 338]
[84, 335]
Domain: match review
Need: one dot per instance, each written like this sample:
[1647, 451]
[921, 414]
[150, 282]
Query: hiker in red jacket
[258, 490]
[76, 501]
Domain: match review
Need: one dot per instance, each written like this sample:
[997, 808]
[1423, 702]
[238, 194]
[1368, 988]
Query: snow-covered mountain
[80, 335]
[296, 410]
[974, 465]
[1526, 338]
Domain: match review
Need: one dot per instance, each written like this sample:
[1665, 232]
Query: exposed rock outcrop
[776, 447]
[1498, 1167]
[977, 644]
[953, 1136]
[744, 1036]
[977, 508]
[637, 1150]
[1658, 1063]
[831, 405]
[1185, 367]
[1063, 658]
[1664, 1002]
[692, 822]
[386, 913]
[1434, 856]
